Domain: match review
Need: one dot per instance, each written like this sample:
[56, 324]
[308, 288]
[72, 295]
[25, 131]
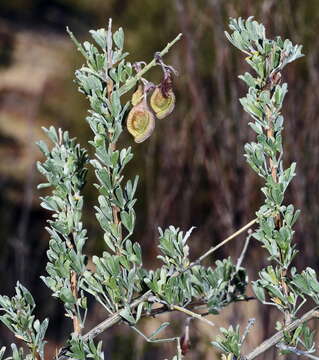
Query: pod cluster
[141, 118]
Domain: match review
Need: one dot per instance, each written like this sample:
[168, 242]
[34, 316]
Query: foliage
[18, 317]
[231, 343]
[65, 171]
[263, 103]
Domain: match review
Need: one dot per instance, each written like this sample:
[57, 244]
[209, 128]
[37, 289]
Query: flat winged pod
[162, 103]
[140, 122]
[137, 97]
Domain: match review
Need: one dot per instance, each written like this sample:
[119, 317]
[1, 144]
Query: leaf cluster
[263, 103]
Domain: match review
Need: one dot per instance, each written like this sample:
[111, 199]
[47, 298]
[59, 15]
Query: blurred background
[192, 168]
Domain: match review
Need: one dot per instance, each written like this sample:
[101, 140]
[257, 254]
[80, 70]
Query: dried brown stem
[74, 288]
[274, 174]
[115, 209]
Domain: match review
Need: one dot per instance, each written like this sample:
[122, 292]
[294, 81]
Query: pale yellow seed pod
[137, 97]
[140, 122]
[228, 357]
[162, 105]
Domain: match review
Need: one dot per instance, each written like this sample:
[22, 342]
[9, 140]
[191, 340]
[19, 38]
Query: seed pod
[138, 95]
[161, 103]
[140, 122]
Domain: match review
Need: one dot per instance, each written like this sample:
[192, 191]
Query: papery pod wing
[137, 95]
[162, 104]
[140, 122]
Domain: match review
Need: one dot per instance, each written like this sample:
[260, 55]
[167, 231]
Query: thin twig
[192, 314]
[194, 306]
[297, 351]
[179, 349]
[113, 319]
[275, 339]
[243, 252]
[229, 238]
[131, 83]
[115, 209]
[251, 323]
[77, 327]
[107, 323]
[150, 339]
[74, 288]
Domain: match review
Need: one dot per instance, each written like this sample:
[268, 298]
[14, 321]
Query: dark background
[192, 168]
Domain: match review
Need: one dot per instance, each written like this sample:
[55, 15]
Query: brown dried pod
[162, 103]
[140, 122]
[137, 97]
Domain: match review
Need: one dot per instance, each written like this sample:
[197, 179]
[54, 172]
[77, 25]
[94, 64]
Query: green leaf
[118, 38]
[127, 315]
[99, 36]
[259, 292]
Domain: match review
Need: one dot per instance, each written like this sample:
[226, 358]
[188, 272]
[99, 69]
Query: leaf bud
[99, 140]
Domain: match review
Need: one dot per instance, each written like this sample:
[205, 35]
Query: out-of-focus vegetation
[192, 168]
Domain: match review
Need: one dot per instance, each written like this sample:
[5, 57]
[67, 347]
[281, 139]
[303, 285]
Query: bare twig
[179, 349]
[74, 288]
[229, 238]
[115, 209]
[297, 351]
[150, 339]
[243, 252]
[275, 339]
[107, 323]
[192, 314]
[131, 83]
[251, 323]
[114, 319]
[77, 326]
